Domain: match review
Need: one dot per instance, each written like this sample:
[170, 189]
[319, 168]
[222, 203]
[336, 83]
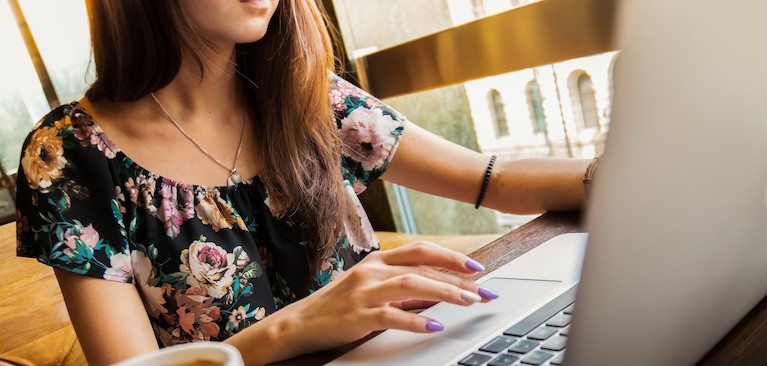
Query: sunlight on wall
[60, 28]
[17, 71]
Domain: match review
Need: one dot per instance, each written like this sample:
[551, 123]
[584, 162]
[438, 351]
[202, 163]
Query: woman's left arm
[431, 164]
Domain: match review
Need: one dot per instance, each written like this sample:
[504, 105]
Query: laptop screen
[678, 223]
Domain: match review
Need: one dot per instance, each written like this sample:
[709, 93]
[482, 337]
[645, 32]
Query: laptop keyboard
[539, 339]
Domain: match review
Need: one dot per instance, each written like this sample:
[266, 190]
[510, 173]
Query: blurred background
[515, 78]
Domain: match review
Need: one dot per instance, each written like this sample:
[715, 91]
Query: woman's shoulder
[65, 137]
[68, 127]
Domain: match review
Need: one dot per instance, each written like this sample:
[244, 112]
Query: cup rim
[232, 353]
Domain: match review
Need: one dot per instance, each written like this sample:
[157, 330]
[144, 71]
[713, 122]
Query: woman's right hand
[373, 295]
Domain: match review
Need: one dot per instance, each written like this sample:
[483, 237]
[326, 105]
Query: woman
[200, 177]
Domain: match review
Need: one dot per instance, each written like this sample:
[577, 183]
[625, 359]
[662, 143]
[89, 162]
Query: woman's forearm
[537, 185]
[431, 164]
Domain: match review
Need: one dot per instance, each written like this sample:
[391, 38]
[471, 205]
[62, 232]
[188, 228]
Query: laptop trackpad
[517, 297]
[463, 326]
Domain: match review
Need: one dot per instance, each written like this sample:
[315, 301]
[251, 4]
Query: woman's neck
[195, 90]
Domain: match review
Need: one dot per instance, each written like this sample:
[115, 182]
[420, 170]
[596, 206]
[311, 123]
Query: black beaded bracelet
[485, 181]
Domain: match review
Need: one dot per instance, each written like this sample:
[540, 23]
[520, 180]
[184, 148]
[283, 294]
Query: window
[478, 8]
[584, 101]
[535, 103]
[498, 112]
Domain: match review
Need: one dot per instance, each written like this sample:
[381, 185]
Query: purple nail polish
[474, 265]
[487, 293]
[434, 326]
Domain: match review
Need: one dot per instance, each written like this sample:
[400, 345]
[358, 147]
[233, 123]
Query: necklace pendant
[234, 177]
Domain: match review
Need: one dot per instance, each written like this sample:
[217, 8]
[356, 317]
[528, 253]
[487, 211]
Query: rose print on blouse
[241, 315]
[200, 302]
[208, 266]
[215, 211]
[216, 279]
[76, 244]
[131, 189]
[176, 206]
[90, 134]
[339, 95]
[84, 237]
[78, 247]
[331, 268]
[237, 316]
[195, 316]
[367, 137]
[43, 164]
[43, 159]
[119, 267]
[142, 192]
[368, 241]
[241, 257]
[369, 132]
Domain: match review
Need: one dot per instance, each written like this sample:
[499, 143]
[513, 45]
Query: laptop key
[537, 358]
[565, 331]
[561, 320]
[542, 333]
[541, 315]
[569, 309]
[523, 346]
[474, 359]
[499, 344]
[555, 344]
[559, 359]
[503, 359]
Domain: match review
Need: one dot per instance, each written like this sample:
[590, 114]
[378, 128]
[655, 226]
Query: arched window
[535, 103]
[498, 112]
[478, 8]
[585, 104]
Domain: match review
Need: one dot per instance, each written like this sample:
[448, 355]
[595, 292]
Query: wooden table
[745, 344]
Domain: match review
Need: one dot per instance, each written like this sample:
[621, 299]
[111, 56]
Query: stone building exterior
[555, 110]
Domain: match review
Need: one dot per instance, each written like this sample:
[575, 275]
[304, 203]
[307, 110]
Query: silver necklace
[234, 175]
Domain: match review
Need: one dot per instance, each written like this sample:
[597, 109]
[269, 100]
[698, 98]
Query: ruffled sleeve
[70, 207]
[369, 130]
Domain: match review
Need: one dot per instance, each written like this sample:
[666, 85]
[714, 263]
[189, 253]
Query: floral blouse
[208, 261]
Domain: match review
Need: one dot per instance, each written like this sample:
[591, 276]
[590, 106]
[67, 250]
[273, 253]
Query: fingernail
[434, 326]
[470, 296]
[487, 293]
[474, 265]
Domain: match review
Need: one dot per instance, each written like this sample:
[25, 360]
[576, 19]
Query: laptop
[676, 252]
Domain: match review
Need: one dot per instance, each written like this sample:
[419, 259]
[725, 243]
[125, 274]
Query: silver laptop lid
[678, 221]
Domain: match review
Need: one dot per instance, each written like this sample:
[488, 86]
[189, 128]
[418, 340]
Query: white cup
[206, 353]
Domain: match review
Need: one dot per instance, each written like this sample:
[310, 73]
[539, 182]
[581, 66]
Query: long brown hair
[137, 50]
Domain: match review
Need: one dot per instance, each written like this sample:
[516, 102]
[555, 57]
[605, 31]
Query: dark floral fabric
[207, 261]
